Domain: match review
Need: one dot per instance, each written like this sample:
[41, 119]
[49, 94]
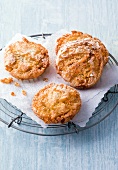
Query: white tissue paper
[90, 98]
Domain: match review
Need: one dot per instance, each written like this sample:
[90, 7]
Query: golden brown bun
[56, 103]
[80, 62]
[26, 60]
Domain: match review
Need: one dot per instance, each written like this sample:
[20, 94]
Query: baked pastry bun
[56, 103]
[25, 59]
[80, 62]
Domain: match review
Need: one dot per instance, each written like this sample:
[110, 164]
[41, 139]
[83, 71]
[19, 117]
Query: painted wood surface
[94, 149]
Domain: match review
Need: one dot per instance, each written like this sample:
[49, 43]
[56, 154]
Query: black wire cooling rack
[13, 117]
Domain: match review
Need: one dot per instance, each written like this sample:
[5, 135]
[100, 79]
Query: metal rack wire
[13, 117]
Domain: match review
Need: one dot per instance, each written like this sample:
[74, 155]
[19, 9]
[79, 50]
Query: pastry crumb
[7, 80]
[45, 79]
[13, 94]
[17, 84]
[24, 92]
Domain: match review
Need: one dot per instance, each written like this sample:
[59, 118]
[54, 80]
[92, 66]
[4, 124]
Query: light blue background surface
[94, 149]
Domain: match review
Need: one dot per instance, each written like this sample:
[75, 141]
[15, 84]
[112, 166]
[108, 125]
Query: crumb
[13, 94]
[24, 92]
[17, 84]
[7, 80]
[45, 79]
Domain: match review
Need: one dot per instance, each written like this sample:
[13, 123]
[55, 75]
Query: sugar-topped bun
[56, 103]
[25, 59]
[80, 59]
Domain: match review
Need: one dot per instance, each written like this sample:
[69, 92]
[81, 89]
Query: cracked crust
[104, 51]
[80, 63]
[76, 35]
[56, 103]
[26, 60]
